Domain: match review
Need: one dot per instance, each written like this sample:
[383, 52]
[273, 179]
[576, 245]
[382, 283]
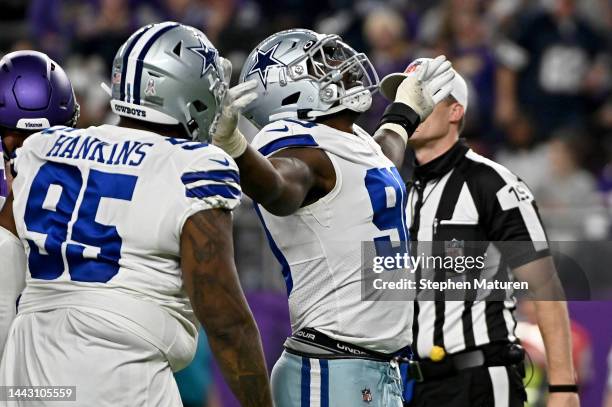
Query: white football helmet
[302, 74]
[169, 73]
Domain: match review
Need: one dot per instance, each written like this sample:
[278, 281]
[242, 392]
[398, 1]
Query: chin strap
[75, 116]
[358, 101]
[313, 114]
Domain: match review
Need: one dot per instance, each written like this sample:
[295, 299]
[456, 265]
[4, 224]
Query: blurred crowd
[539, 73]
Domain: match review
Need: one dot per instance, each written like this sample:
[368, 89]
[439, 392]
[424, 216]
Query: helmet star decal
[208, 55]
[264, 60]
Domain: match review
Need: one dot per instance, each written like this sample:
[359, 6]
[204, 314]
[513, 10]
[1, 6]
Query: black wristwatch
[563, 388]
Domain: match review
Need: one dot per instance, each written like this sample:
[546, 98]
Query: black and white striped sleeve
[508, 213]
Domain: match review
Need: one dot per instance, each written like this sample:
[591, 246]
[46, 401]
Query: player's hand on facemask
[431, 83]
[226, 134]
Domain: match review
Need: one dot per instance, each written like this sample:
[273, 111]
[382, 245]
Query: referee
[467, 349]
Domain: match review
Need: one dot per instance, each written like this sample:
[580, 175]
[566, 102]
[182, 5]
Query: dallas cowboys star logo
[264, 60]
[208, 56]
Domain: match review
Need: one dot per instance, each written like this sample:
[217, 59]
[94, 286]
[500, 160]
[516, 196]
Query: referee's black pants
[498, 386]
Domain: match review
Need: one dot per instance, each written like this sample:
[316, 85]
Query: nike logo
[224, 162]
[281, 129]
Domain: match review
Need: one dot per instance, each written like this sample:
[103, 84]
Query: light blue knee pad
[299, 381]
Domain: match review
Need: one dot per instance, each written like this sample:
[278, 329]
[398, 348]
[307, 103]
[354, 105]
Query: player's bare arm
[211, 281]
[284, 182]
[288, 180]
[7, 221]
[393, 146]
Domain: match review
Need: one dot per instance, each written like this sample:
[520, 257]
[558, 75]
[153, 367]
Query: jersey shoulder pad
[35, 143]
[286, 133]
[211, 179]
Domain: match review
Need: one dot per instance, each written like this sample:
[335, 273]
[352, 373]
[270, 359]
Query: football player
[36, 95]
[123, 226]
[323, 186]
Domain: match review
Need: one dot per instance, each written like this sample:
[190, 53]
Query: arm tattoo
[219, 303]
[207, 248]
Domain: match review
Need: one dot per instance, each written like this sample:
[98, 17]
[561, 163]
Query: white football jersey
[319, 246]
[3, 183]
[12, 280]
[100, 212]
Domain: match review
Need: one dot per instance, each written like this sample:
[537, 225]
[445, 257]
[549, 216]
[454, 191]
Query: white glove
[431, 83]
[226, 134]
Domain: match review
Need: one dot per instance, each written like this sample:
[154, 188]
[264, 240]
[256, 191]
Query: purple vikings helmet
[35, 93]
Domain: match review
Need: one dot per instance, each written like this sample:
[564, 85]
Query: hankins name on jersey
[128, 152]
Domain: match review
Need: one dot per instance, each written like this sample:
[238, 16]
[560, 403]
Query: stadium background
[540, 103]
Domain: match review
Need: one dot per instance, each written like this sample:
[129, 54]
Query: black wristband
[563, 388]
[402, 114]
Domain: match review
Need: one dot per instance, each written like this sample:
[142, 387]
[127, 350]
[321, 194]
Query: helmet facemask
[345, 78]
[206, 117]
[218, 90]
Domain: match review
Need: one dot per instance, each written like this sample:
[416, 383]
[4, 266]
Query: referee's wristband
[401, 114]
[563, 388]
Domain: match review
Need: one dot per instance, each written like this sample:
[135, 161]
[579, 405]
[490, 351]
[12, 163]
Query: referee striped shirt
[462, 196]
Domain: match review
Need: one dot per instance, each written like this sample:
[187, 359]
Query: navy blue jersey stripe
[297, 140]
[214, 175]
[126, 54]
[280, 130]
[141, 57]
[324, 382]
[305, 385]
[308, 125]
[285, 268]
[53, 129]
[207, 191]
